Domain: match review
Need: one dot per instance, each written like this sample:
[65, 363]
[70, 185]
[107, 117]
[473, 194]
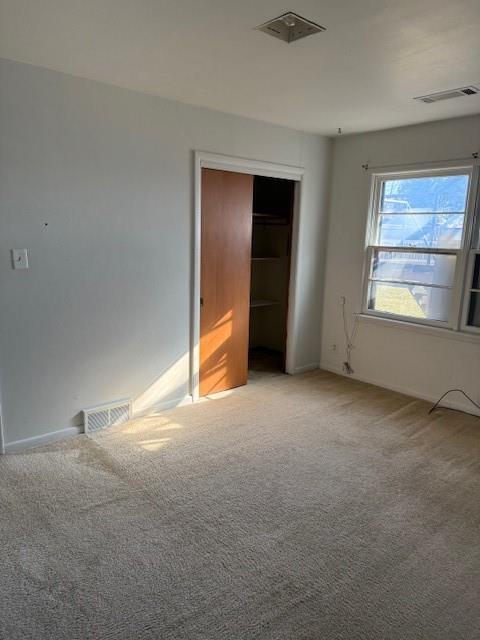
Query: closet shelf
[270, 218]
[266, 259]
[262, 303]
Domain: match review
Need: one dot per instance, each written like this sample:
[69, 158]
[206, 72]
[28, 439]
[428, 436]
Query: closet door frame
[206, 160]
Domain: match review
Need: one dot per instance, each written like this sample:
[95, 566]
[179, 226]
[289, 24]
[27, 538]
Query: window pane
[437, 231]
[476, 273]
[424, 268]
[436, 194]
[474, 310]
[414, 301]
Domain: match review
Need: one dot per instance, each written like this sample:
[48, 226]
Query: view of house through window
[417, 235]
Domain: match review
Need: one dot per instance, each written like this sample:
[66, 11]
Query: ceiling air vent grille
[448, 95]
[107, 415]
[290, 27]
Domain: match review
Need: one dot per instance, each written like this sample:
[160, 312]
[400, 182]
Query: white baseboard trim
[163, 406]
[414, 393]
[69, 432]
[305, 367]
[45, 438]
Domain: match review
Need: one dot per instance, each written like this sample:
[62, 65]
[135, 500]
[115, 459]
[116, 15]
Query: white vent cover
[290, 27]
[447, 95]
[107, 415]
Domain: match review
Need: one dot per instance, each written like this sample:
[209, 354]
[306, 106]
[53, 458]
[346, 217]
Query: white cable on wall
[350, 337]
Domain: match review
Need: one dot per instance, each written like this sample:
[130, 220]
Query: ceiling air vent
[447, 95]
[107, 415]
[290, 27]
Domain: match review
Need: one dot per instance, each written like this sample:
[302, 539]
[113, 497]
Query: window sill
[439, 332]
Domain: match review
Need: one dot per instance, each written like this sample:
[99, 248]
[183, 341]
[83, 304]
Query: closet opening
[272, 215]
[245, 230]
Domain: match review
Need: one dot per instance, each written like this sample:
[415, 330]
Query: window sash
[441, 252]
[380, 249]
[413, 283]
[408, 318]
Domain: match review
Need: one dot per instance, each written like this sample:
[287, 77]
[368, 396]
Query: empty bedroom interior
[239, 319]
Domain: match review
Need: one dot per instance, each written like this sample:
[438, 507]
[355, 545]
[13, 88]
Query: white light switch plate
[19, 259]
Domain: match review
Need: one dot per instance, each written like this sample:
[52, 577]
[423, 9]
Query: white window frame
[458, 311]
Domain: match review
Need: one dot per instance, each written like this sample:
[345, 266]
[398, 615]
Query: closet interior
[272, 211]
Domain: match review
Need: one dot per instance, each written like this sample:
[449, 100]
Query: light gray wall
[415, 361]
[96, 182]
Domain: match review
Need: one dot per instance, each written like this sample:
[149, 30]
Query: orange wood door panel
[226, 238]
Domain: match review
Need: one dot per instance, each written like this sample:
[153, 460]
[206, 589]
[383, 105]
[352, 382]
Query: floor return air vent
[107, 415]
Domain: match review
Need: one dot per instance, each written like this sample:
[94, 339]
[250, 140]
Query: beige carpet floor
[313, 507]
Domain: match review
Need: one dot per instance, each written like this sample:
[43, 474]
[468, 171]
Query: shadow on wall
[150, 430]
[168, 390]
[169, 387]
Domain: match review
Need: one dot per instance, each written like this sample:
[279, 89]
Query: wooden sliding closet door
[226, 238]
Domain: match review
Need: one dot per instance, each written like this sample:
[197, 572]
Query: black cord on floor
[436, 405]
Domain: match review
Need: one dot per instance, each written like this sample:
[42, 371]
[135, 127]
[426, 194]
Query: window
[472, 296]
[418, 245]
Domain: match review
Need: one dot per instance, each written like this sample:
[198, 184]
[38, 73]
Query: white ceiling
[360, 74]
